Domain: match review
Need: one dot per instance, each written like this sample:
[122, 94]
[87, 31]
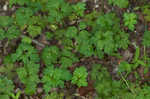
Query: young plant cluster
[53, 37]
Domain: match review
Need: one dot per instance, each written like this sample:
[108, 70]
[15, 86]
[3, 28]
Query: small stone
[96, 6]
[127, 55]
[31, 97]
[5, 7]
[84, 0]
[39, 90]
[72, 22]
[25, 97]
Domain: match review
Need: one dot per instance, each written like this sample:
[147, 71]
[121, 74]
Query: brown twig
[35, 42]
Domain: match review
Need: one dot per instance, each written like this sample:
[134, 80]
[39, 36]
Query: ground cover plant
[74, 49]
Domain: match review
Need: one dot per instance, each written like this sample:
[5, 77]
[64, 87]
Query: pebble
[84, 0]
[25, 97]
[5, 7]
[127, 55]
[39, 90]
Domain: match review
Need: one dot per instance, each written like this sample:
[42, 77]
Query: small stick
[35, 42]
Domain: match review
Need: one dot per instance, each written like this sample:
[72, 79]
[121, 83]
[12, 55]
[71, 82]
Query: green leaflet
[10, 34]
[67, 59]
[58, 9]
[71, 32]
[22, 17]
[146, 39]
[119, 3]
[26, 39]
[29, 76]
[79, 9]
[6, 87]
[125, 66]
[25, 53]
[8, 29]
[84, 44]
[34, 31]
[5, 21]
[54, 77]
[79, 76]
[108, 37]
[2, 34]
[130, 19]
[82, 25]
[50, 55]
